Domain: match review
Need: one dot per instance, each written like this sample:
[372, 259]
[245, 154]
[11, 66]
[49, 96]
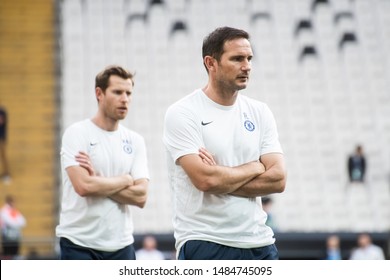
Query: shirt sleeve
[270, 142]
[140, 169]
[182, 133]
[73, 142]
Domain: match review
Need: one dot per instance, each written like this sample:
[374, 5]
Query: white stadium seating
[322, 66]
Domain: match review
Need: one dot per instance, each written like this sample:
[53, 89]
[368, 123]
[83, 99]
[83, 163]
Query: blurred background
[322, 66]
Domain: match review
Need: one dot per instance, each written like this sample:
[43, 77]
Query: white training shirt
[235, 135]
[99, 222]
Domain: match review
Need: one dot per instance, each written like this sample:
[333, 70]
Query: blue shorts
[71, 251]
[205, 250]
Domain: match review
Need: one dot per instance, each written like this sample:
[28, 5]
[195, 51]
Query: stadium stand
[316, 64]
[322, 66]
[28, 91]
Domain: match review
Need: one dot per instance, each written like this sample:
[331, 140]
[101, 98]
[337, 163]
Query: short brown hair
[102, 78]
[213, 44]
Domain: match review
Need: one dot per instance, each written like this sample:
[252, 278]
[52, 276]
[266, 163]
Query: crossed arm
[122, 189]
[257, 178]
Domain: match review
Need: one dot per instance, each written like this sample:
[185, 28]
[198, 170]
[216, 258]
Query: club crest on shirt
[127, 146]
[248, 124]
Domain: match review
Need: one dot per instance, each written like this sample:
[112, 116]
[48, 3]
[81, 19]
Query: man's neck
[220, 96]
[105, 123]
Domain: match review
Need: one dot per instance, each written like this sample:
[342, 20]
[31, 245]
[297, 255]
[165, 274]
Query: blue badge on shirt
[249, 125]
[127, 146]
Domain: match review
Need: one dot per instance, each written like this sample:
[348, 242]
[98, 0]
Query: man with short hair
[223, 152]
[104, 171]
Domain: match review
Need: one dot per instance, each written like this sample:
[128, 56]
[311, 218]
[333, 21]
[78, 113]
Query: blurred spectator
[5, 176]
[32, 254]
[149, 250]
[12, 222]
[267, 203]
[333, 251]
[366, 250]
[357, 165]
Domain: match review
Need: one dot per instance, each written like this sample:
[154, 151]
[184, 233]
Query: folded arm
[271, 180]
[135, 194]
[209, 177]
[87, 183]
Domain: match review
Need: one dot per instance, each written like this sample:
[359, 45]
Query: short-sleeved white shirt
[371, 252]
[235, 135]
[99, 222]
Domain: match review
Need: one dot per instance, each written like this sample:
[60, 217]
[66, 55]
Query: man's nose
[125, 97]
[247, 65]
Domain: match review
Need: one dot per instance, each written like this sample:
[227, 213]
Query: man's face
[235, 64]
[115, 100]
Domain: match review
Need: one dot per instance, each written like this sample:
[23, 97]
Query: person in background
[333, 251]
[149, 250]
[5, 174]
[357, 165]
[12, 221]
[223, 153]
[366, 249]
[105, 173]
[267, 203]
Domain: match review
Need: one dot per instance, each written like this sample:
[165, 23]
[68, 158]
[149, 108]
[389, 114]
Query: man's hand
[83, 159]
[272, 181]
[206, 157]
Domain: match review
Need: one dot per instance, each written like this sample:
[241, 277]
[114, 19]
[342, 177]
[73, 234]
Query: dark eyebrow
[242, 57]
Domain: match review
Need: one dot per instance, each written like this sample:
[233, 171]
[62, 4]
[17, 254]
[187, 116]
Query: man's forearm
[225, 180]
[216, 179]
[134, 195]
[269, 182]
[87, 182]
[105, 186]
